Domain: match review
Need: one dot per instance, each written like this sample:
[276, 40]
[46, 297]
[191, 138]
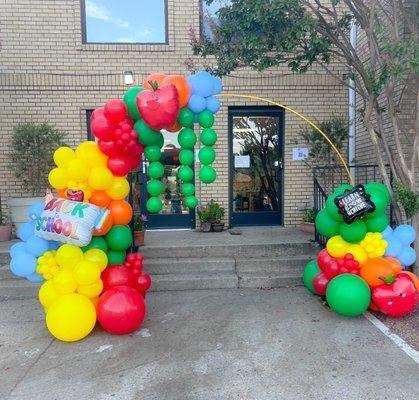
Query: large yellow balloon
[78, 170]
[71, 317]
[358, 252]
[98, 257]
[63, 155]
[58, 178]
[90, 153]
[47, 294]
[86, 272]
[68, 255]
[336, 246]
[100, 178]
[64, 281]
[91, 291]
[119, 189]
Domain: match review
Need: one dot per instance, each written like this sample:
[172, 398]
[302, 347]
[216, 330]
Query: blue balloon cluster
[203, 87]
[398, 243]
[24, 254]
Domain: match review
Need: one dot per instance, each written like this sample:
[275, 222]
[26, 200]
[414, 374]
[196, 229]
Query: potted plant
[215, 214]
[5, 226]
[33, 146]
[139, 229]
[203, 217]
[307, 225]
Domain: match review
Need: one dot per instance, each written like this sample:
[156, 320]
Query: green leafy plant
[212, 211]
[139, 222]
[309, 216]
[33, 146]
[408, 199]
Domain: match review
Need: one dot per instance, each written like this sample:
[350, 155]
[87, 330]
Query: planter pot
[211, 220]
[19, 208]
[217, 227]
[139, 238]
[206, 226]
[307, 227]
[5, 233]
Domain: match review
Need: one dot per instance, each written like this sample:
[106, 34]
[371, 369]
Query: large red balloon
[116, 110]
[121, 310]
[119, 165]
[102, 128]
[117, 275]
[320, 282]
[143, 282]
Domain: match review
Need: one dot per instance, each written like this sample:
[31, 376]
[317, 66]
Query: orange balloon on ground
[413, 277]
[157, 76]
[182, 88]
[100, 198]
[375, 271]
[394, 263]
[174, 128]
[121, 212]
[106, 227]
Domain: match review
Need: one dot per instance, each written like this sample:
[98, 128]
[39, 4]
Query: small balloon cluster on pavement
[362, 264]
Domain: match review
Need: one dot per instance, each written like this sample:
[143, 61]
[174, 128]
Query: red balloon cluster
[121, 308]
[116, 136]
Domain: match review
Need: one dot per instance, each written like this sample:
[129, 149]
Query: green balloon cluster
[129, 100]
[206, 155]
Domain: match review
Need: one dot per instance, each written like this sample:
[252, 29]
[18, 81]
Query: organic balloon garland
[362, 264]
[76, 242]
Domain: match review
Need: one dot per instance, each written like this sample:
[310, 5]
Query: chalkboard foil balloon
[354, 204]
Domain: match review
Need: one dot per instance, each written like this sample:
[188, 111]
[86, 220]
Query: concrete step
[291, 265]
[5, 273]
[4, 258]
[17, 289]
[263, 281]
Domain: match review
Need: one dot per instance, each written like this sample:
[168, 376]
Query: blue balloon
[217, 85]
[36, 210]
[26, 230]
[406, 234]
[394, 247]
[407, 256]
[197, 104]
[36, 246]
[388, 232]
[213, 104]
[203, 84]
[23, 264]
[17, 248]
[35, 278]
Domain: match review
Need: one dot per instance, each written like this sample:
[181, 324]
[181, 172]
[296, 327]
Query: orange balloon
[156, 76]
[121, 212]
[394, 263]
[174, 128]
[413, 277]
[100, 198]
[375, 271]
[106, 227]
[182, 88]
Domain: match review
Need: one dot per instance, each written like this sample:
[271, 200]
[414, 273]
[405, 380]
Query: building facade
[57, 65]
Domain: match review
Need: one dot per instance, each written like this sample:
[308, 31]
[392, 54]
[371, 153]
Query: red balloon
[320, 283]
[97, 112]
[117, 275]
[109, 148]
[119, 165]
[121, 310]
[102, 128]
[143, 282]
[115, 110]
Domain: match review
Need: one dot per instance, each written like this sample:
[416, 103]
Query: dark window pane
[88, 125]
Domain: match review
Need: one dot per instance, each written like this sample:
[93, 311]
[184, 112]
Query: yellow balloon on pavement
[91, 291]
[71, 317]
[78, 170]
[58, 178]
[98, 257]
[47, 294]
[68, 255]
[64, 281]
[336, 246]
[86, 272]
[63, 155]
[119, 189]
[100, 178]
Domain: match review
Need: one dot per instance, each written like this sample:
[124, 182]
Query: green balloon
[341, 189]
[380, 200]
[187, 138]
[377, 224]
[206, 119]
[206, 155]
[152, 152]
[155, 170]
[185, 117]
[115, 257]
[160, 141]
[96, 243]
[207, 174]
[378, 186]
[154, 205]
[191, 201]
[186, 157]
[310, 271]
[208, 137]
[185, 173]
[119, 238]
[353, 232]
[332, 209]
[146, 135]
[155, 187]
[188, 189]
[129, 100]
[325, 225]
[348, 295]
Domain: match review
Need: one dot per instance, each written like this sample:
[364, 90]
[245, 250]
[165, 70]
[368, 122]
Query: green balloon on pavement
[377, 224]
[187, 138]
[325, 225]
[146, 135]
[353, 232]
[188, 189]
[310, 271]
[207, 174]
[185, 173]
[208, 137]
[186, 157]
[129, 100]
[379, 198]
[155, 187]
[154, 205]
[206, 119]
[348, 295]
[153, 152]
[116, 257]
[378, 186]
[332, 209]
[206, 155]
[155, 170]
[119, 238]
[191, 201]
[97, 242]
[185, 117]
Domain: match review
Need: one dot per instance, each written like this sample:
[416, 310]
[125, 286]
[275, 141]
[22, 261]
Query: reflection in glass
[255, 152]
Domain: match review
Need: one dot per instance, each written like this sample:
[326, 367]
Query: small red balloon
[320, 283]
[119, 165]
[115, 110]
[102, 128]
[117, 275]
[143, 282]
[97, 112]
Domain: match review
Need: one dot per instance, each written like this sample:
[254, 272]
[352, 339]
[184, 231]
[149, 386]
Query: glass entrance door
[256, 169]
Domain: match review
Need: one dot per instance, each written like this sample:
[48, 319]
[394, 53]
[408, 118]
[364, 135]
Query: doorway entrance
[256, 136]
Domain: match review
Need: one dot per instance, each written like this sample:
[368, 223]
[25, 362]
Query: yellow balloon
[358, 252]
[78, 170]
[89, 152]
[98, 257]
[47, 294]
[91, 291]
[119, 189]
[336, 246]
[94, 301]
[71, 317]
[64, 281]
[86, 272]
[100, 178]
[68, 255]
[63, 155]
[58, 178]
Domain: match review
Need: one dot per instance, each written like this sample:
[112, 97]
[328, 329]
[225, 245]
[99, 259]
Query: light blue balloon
[203, 84]
[36, 210]
[197, 103]
[407, 256]
[23, 265]
[17, 248]
[406, 233]
[26, 230]
[394, 247]
[36, 245]
[213, 104]
[52, 245]
[217, 85]
[388, 232]
[35, 278]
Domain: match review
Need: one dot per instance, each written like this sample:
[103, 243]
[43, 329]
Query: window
[209, 16]
[124, 21]
[89, 126]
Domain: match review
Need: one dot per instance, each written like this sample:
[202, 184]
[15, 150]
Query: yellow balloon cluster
[47, 265]
[373, 244]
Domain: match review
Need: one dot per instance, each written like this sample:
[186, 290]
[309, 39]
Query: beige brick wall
[47, 74]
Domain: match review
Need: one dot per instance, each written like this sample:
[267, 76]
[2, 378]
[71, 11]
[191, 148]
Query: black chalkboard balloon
[354, 204]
